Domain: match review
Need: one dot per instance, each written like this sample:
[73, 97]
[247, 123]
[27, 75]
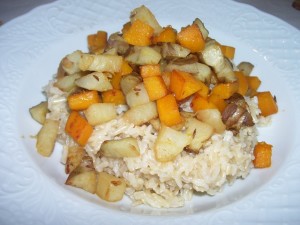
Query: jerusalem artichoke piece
[39, 112]
[141, 114]
[96, 81]
[100, 113]
[202, 28]
[143, 14]
[74, 158]
[70, 63]
[129, 81]
[172, 50]
[67, 83]
[125, 147]
[144, 55]
[109, 187]
[100, 63]
[245, 67]
[137, 96]
[86, 180]
[212, 117]
[46, 137]
[199, 131]
[169, 144]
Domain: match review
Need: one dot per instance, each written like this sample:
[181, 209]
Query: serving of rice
[222, 159]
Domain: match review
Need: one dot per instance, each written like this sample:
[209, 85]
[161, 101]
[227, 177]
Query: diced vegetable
[199, 103]
[225, 90]
[199, 132]
[97, 42]
[97, 81]
[82, 100]
[99, 113]
[109, 187]
[218, 102]
[167, 35]
[266, 103]
[242, 83]
[150, 70]
[138, 95]
[100, 63]
[46, 137]
[67, 83]
[183, 84]
[86, 180]
[125, 147]
[191, 37]
[141, 114]
[143, 14]
[78, 128]
[212, 117]
[246, 68]
[144, 55]
[114, 96]
[253, 84]
[202, 28]
[70, 63]
[263, 155]
[74, 158]
[39, 112]
[228, 51]
[156, 87]
[168, 110]
[169, 144]
[128, 82]
[139, 33]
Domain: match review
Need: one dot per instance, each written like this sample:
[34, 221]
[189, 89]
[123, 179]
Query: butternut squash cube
[139, 33]
[156, 87]
[183, 84]
[191, 37]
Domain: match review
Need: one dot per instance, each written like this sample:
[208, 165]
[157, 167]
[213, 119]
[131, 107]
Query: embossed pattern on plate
[31, 188]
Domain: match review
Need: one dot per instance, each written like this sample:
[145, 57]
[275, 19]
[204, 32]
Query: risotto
[109, 110]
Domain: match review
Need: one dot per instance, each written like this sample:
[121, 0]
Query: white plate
[32, 189]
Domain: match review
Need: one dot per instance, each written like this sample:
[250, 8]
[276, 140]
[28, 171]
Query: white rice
[222, 159]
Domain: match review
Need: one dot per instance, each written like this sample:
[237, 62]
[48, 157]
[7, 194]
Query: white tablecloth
[9, 9]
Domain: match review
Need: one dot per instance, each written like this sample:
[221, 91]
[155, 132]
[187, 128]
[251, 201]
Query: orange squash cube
[82, 100]
[139, 33]
[225, 90]
[191, 37]
[228, 51]
[116, 79]
[200, 103]
[266, 103]
[97, 42]
[78, 128]
[150, 70]
[218, 102]
[183, 84]
[242, 83]
[253, 83]
[204, 90]
[168, 111]
[263, 155]
[168, 34]
[156, 87]
[113, 96]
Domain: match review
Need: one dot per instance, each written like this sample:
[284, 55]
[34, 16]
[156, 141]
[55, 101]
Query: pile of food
[154, 113]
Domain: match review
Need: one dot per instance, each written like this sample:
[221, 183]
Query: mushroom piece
[236, 114]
